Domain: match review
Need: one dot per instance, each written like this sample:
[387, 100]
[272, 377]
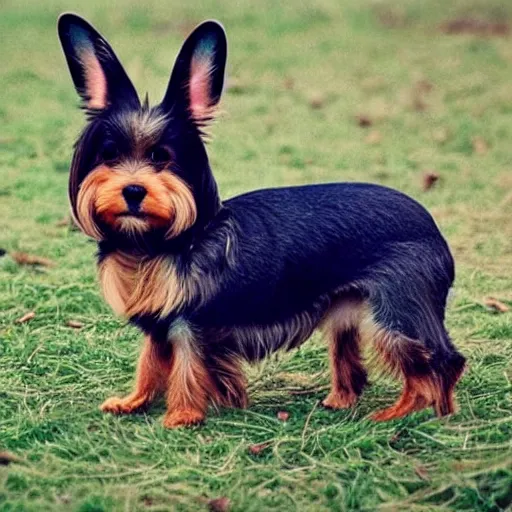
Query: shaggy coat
[214, 283]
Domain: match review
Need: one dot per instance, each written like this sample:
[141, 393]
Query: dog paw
[337, 401]
[126, 405]
[183, 418]
[387, 414]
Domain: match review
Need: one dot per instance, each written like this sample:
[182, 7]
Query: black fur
[269, 264]
[208, 33]
[74, 32]
[296, 249]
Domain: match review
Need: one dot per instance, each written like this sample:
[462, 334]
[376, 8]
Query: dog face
[139, 169]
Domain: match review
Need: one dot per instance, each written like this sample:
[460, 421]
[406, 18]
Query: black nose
[134, 194]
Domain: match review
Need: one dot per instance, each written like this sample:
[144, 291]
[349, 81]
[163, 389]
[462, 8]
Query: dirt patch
[477, 27]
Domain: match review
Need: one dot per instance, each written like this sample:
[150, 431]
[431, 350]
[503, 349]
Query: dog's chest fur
[135, 285]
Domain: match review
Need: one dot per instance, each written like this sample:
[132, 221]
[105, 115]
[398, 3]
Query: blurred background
[316, 91]
[416, 95]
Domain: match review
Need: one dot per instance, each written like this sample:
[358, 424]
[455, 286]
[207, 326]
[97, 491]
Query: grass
[299, 74]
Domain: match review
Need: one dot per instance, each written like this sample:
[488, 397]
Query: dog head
[139, 169]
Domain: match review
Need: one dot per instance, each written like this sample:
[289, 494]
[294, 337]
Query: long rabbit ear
[198, 76]
[99, 77]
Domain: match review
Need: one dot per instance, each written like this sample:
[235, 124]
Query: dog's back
[294, 245]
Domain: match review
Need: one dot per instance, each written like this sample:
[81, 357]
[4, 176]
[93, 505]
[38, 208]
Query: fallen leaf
[22, 258]
[476, 27]
[374, 137]
[74, 324]
[283, 415]
[496, 305]
[316, 101]
[422, 472]
[429, 179]
[219, 504]
[480, 146]
[256, 449]
[8, 458]
[26, 317]
[364, 121]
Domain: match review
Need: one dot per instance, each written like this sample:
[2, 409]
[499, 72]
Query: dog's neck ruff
[158, 278]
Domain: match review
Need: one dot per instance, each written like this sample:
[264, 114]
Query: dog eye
[159, 155]
[109, 152]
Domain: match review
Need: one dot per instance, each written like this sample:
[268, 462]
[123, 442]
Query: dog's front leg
[153, 369]
[189, 384]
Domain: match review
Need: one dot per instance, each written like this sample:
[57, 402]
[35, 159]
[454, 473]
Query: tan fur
[343, 319]
[189, 385]
[118, 276]
[230, 383]
[346, 313]
[85, 204]
[417, 394]
[168, 202]
[396, 352]
[144, 129]
[141, 285]
[176, 369]
[342, 395]
[151, 379]
[158, 289]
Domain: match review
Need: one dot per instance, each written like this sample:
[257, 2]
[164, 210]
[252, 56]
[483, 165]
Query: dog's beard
[132, 225]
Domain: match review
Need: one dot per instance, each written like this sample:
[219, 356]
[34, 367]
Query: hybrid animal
[213, 283]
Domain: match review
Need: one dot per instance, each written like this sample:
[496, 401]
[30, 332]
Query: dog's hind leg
[429, 380]
[406, 329]
[348, 376]
[429, 373]
[433, 389]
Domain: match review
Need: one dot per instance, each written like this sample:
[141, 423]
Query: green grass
[346, 59]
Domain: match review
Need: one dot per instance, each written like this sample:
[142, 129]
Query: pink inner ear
[95, 81]
[199, 86]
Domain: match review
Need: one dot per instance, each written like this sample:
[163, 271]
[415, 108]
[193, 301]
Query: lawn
[386, 92]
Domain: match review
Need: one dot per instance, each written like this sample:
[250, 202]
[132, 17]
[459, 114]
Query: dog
[214, 283]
